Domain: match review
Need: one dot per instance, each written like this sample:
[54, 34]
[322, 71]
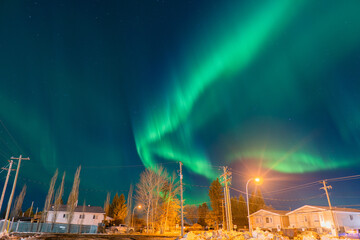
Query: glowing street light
[132, 216]
[257, 181]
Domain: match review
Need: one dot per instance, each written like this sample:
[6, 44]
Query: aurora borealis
[114, 85]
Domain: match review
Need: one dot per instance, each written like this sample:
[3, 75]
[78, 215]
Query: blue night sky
[264, 87]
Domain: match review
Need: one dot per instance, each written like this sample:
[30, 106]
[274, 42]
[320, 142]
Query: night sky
[264, 87]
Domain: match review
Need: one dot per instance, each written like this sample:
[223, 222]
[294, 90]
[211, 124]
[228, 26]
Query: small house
[320, 218]
[83, 215]
[269, 219]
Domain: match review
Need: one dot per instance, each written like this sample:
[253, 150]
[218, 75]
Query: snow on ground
[257, 235]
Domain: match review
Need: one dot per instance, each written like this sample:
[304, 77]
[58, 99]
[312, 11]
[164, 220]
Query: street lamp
[132, 216]
[257, 181]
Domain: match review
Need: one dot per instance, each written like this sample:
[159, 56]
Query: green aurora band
[168, 131]
[238, 50]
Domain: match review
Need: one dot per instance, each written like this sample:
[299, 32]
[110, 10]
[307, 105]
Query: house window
[267, 220]
[95, 217]
[65, 216]
[305, 218]
[82, 216]
[351, 217]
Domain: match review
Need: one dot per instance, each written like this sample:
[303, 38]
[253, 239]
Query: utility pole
[6, 182]
[227, 198]
[181, 201]
[325, 188]
[13, 188]
[223, 212]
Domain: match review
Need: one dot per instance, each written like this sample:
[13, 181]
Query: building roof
[271, 211]
[87, 209]
[325, 208]
[339, 209]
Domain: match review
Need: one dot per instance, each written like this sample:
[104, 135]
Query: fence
[48, 227]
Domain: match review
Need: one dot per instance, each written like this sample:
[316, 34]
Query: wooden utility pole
[6, 181]
[181, 201]
[227, 198]
[325, 188]
[223, 212]
[13, 188]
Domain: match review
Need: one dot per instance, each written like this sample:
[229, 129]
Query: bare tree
[18, 203]
[144, 192]
[49, 197]
[148, 193]
[73, 197]
[82, 216]
[129, 206]
[58, 200]
[107, 206]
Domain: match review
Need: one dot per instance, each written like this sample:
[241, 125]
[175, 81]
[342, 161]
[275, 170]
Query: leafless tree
[58, 200]
[107, 206]
[49, 197]
[73, 197]
[82, 216]
[147, 192]
[129, 206]
[144, 192]
[18, 203]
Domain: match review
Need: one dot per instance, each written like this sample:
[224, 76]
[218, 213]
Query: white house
[269, 219]
[84, 215]
[321, 219]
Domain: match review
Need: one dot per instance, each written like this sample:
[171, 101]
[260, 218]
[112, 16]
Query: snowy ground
[257, 235]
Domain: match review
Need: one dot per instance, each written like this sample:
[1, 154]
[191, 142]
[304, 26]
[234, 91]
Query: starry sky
[264, 87]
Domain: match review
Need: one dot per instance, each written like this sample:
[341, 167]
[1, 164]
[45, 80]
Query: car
[122, 228]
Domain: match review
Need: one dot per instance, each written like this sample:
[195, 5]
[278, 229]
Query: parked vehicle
[122, 228]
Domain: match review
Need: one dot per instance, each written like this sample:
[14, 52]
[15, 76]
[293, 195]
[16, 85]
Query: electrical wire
[346, 178]
[311, 184]
[3, 168]
[124, 166]
[284, 200]
[11, 136]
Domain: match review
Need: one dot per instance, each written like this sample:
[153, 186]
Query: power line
[338, 179]
[238, 173]
[294, 187]
[11, 136]
[346, 178]
[284, 200]
[351, 205]
[125, 166]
